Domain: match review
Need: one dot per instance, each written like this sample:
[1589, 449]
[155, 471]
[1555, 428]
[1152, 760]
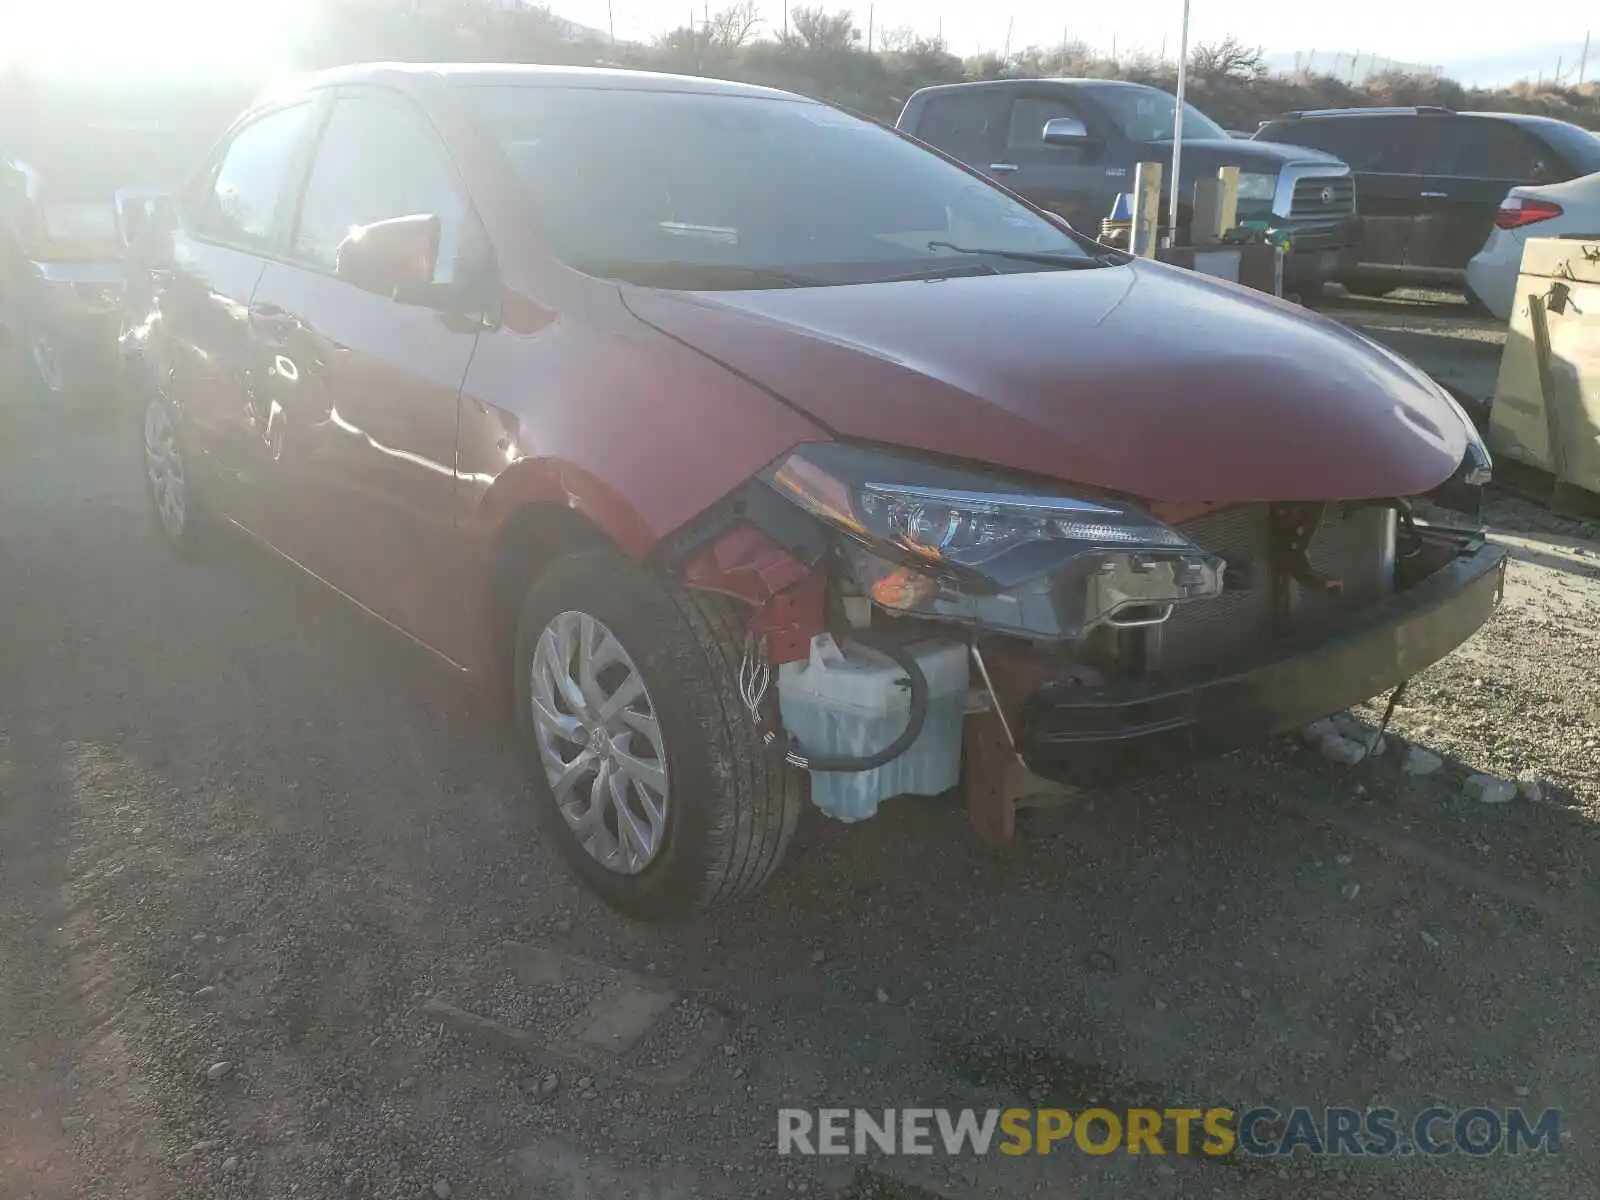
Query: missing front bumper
[1069, 730]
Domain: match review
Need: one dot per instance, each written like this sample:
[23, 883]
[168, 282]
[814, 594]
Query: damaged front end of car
[1102, 634]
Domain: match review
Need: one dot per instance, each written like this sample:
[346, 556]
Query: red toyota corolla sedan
[752, 451]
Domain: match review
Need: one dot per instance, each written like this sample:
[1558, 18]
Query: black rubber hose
[844, 764]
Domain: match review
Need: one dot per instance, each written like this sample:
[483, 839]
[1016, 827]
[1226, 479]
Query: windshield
[1144, 114]
[693, 190]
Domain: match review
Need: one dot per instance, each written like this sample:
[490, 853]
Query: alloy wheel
[600, 742]
[163, 464]
[46, 360]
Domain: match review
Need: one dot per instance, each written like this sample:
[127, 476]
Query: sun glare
[165, 36]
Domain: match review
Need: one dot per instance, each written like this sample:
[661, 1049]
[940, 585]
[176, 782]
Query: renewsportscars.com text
[1215, 1132]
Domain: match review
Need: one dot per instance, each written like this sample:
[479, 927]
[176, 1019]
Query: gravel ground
[241, 825]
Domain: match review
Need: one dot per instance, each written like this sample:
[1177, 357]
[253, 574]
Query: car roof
[1528, 120]
[976, 84]
[1430, 110]
[427, 76]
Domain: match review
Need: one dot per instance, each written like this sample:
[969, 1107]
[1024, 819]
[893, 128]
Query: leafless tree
[1227, 59]
[734, 26]
[817, 29]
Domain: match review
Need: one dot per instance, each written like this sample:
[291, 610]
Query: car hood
[1141, 379]
[1250, 154]
[1284, 152]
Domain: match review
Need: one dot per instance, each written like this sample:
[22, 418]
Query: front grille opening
[1331, 195]
[1354, 544]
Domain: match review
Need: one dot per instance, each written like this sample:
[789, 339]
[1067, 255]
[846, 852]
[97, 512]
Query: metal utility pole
[1177, 129]
[611, 22]
[1583, 63]
[1010, 21]
[1113, 52]
[786, 20]
[870, 10]
[1064, 40]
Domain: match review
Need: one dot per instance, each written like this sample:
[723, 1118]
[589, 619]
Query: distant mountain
[1487, 71]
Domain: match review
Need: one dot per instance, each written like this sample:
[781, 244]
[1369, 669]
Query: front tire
[646, 766]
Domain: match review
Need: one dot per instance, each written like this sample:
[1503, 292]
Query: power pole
[870, 9]
[1583, 63]
[1174, 191]
[786, 20]
[1064, 33]
[611, 22]
[1009, 22]
[1113, 52]
[1556, 82]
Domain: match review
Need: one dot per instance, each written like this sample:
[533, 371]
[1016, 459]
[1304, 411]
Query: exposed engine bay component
[788, 596]
[826, 655]
[789, 619]
[847, 698]
[1293, 527]
[998, 779]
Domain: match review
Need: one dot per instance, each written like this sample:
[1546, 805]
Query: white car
[1570, 209]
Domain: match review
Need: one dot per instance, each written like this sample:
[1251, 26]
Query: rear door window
[1489, 149]
[251, 187]
[962, 124]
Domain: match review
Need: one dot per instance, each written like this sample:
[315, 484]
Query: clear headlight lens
[936, 541]
[1258, 186]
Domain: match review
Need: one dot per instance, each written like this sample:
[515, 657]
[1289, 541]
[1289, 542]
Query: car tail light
[1515, 212]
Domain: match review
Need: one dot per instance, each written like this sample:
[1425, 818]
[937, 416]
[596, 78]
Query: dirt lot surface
[275, 919]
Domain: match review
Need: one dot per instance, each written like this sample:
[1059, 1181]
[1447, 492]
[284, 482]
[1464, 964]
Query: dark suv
[1430, 180]
[1101, 129]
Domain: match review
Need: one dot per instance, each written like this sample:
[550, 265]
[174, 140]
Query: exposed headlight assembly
[928, 540]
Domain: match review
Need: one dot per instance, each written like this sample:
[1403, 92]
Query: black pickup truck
[1100, 129]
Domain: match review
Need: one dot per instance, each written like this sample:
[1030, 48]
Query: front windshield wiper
[1070, 262]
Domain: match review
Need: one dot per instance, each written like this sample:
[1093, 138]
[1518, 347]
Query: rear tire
[1372, 291]
[1311, 293]
[703, 812]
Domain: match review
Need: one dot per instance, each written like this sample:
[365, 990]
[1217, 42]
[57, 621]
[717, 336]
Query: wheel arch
[535, 513]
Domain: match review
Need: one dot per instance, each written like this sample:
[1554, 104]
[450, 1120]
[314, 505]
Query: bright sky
[223, 33]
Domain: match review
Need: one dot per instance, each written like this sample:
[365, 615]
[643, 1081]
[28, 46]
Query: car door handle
[1436, 195]
[1002, 168]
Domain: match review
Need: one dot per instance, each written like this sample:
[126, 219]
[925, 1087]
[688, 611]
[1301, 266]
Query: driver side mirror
[397, 258]
[1065, 131]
